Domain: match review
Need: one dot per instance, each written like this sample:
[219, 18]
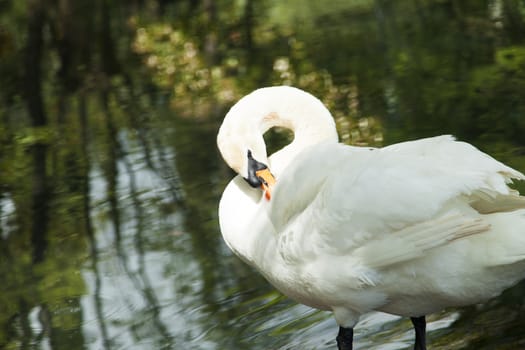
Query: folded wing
[390, 205]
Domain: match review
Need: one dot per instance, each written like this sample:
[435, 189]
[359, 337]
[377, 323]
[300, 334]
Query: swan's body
[408, 229]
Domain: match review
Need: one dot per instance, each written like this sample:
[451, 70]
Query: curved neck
[297, 110]
[283, 106]
[242, 209]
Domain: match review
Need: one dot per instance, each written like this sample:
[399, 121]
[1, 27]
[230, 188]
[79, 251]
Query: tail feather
[507, 238]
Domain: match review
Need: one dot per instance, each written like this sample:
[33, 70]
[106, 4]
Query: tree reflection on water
[110, 178]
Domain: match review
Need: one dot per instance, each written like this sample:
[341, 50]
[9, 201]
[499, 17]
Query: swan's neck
[242, 209]
[243, 212]
[283, 106]
[308, 119]
[243, 220]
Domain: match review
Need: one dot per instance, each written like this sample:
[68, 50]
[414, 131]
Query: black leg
[344, 338]
[420, 325]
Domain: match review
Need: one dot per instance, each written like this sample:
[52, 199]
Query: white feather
[408, 229]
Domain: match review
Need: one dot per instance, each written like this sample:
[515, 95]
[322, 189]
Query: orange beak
[268, 181]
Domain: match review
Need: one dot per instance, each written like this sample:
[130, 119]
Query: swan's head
[240, 138]
[242, 147]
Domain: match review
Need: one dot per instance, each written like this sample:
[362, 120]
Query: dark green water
[110, 177]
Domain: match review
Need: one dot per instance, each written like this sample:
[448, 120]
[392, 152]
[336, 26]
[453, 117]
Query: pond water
[110, 177]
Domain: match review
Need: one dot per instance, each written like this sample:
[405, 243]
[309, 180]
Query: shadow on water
[110, 177]
[37, 114]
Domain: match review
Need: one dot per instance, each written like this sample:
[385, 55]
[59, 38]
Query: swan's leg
[344, 338]
[420, 327]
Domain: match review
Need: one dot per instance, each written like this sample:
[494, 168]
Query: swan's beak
[259, 175]
[267, 181]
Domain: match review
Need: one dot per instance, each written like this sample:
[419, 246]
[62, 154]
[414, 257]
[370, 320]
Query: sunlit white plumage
[407, 229]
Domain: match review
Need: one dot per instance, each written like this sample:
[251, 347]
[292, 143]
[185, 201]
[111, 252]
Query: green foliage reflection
[97, 92]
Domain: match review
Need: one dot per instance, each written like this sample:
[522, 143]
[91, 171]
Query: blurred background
[110, 177]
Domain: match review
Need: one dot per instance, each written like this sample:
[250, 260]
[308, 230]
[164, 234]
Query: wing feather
[355, 201]
[416, 240]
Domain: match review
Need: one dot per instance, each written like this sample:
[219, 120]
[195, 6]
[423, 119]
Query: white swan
[407, 229]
